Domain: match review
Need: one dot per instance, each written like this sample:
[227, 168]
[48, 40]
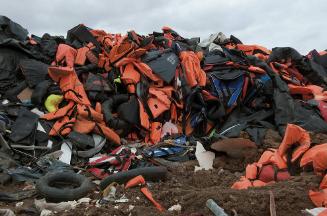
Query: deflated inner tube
[149, 173]
[74, 186]
[107, 107]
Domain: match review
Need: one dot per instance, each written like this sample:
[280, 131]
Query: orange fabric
[98, 107]
[258, 183]
[256, 70]
[159, 101]
[199, 54]
[268, 174]
[309, 92]
[173, 113]
[155, 132]
[136, 53]
[83, 125]
[208, 96]
[320, 162]
[323, 213]
[108, 133]
[249, 49]
[323, 183]
[89, 113]
[315, 156]
[138, 180]
[69, 83]
[261, 56]
[32, 41]
[251, 171]
[271, 156]
[122, 48]
[81, 55]
[92, 57]
[62, 127]
[139, 67]
[60, 112]
[245, 183]
[148, 195]
[318, 198]
[66, 55]
[87, 117]
[193, 73]
[294, 135]
[146, 70]
[288, 72]
[130, 77]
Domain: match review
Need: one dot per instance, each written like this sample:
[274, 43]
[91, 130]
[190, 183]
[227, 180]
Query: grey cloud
[298, 23]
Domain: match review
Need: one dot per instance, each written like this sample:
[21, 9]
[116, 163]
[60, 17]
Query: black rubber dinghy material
[76, 186]
[149, 173]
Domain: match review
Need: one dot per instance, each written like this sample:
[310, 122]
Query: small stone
[19, 204]
[130, 207]
[176, 207]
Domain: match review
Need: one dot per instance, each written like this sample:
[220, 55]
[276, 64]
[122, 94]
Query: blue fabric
[228, 89]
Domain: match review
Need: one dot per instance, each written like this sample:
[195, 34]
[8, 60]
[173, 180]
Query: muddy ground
[191, 190]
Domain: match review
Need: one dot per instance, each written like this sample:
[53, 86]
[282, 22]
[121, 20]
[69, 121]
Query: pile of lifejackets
[142, 88]
[280, 164]
[133, 86]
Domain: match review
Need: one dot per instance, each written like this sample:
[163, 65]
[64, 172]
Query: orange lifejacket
[253, 49]
[69, 83]
[317, 157]
[66, 55]
[194, 74]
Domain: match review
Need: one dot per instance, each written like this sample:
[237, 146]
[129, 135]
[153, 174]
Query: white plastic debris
[122, 199]
[205, 158]
[4, 102]
[97, 182]
[130, 207]
[66, 148]
[37, 112]
[110, 193]
[314, 211]
[215, 208]
[40, 128]
[84, 200]
[58, 207]
[168, 129]
[176, 207]
[46, 212]
[19, 204]
[7, 212]
[213, 41]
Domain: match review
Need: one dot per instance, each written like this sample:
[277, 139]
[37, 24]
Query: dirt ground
[192, 189]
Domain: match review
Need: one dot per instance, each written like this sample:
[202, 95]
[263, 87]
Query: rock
[235, 147]
[176, 207]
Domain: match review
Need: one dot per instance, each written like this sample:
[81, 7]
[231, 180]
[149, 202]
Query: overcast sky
[297, 23]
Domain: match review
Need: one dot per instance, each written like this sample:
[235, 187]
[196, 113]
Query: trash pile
[94, 110]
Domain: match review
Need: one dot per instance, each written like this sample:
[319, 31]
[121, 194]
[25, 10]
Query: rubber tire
[54, 194]
[149, 173]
